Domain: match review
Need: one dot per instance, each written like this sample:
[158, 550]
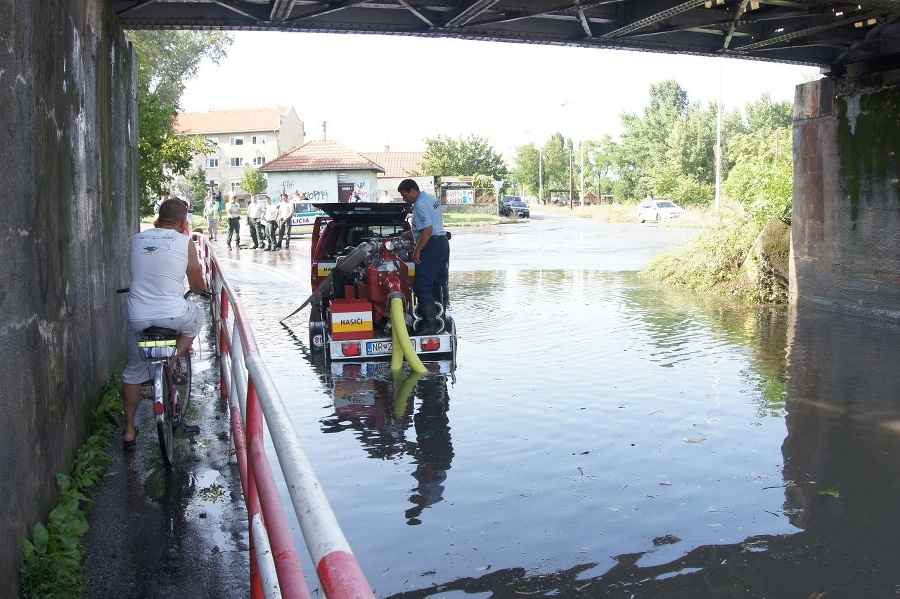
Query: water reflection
[840, 390]
[610, 438]
[379, 406]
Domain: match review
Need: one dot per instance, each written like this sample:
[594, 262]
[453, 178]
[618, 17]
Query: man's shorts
[137, 369]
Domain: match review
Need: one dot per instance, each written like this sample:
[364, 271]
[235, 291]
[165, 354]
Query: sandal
[133, 443]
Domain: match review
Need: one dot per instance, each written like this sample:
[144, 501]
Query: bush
[709, 262]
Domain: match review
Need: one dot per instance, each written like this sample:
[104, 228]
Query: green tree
[644, 150]
[446, 156]
[762, 178]
[166, 61]
[765, 116]
[253, 181]
[193, 187]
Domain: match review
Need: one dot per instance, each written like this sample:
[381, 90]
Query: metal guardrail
[275, 569]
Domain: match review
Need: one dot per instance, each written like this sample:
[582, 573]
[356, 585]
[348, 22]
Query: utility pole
[324, 130]
[581, 144]
[719, 142]
[541, 175]
[571, 176]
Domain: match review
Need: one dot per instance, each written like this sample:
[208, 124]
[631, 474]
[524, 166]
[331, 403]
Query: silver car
[657, 209]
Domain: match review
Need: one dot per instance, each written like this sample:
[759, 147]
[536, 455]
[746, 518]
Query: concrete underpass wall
[68, 143]
[846, 217]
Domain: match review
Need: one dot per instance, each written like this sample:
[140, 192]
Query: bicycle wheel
[181, 372]
[164, 428]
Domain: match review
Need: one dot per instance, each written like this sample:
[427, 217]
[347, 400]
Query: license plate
[379, 347]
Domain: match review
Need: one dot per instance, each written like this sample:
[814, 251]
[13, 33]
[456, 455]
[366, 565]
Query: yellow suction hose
[400, 337]
[396, 353]
[403, 388]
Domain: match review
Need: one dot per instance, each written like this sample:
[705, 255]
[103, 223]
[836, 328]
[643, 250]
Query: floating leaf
[829, 493]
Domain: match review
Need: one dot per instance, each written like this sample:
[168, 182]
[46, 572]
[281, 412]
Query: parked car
[514, 206]
[305, 215]
[657, 209]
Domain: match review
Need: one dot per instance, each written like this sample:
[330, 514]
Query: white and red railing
[253, 400]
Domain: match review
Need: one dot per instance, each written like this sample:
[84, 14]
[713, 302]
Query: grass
[459, 219]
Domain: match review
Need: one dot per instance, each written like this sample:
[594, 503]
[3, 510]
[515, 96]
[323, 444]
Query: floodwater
[602, 436]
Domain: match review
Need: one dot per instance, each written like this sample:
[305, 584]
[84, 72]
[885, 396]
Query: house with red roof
[245, 137]
[326, 171]
[398, 166]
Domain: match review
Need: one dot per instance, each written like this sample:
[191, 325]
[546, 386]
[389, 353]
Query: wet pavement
[179, 533]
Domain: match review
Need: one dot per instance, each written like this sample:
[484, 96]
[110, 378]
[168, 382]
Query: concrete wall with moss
[68, 145]
[845, 248]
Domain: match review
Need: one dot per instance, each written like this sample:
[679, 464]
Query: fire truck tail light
[431, 344]
[351, 349]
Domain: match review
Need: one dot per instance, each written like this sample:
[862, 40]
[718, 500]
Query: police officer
[431, 253]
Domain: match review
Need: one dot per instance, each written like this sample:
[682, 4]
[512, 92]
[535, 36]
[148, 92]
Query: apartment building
[247, 137]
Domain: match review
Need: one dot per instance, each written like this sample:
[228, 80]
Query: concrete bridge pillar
[68, 146]
[845, 246]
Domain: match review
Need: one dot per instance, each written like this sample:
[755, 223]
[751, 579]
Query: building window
[258, 139]
[235, 184]
[213, 140]
[259, 160]
[237, 141]
[237, 162]
[212, 163]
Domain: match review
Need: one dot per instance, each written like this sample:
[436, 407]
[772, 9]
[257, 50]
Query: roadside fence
[253, 400]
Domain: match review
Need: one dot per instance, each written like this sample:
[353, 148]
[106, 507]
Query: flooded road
[601, 436]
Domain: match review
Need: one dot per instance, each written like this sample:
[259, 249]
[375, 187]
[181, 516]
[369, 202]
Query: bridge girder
[862, 36]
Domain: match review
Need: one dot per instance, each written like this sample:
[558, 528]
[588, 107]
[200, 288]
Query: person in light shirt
[431, 252]
[269, 217]
[254, 214]
[285, 213]
[160, 260]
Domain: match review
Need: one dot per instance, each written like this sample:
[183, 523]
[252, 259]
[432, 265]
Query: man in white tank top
[160, 260]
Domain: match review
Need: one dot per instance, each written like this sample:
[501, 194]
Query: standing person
[270, 216]
[190, 212]
[385, 198]
[431, 253]
[254, 214]
[211, 212]
[285, 213]
[234, 222]
[160, 259]
[218, 196]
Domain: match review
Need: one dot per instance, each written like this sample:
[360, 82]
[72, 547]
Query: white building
[248, 137]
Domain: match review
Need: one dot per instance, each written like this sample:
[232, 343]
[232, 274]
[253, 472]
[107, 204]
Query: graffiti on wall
[318, 195]
[361, 188]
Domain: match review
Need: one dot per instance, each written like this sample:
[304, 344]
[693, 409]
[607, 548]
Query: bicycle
[171, 385]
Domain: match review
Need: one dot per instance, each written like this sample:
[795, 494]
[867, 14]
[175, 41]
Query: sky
[375, 91]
